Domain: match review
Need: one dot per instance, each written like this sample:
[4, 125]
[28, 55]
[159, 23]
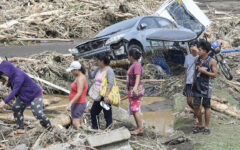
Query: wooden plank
[49, 84]
[45, 39]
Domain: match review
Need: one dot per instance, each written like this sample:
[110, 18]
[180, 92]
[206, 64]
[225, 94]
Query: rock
[116, 139]
[122, 115]
[175, 138]
[21, 147]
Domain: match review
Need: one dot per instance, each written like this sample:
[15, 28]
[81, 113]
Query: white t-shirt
[189, 64]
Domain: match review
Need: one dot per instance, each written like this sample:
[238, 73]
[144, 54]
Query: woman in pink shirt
[134, 75]
[77, 98]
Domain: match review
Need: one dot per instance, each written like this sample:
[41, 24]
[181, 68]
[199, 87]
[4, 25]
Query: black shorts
[206, 102]
[187, 91]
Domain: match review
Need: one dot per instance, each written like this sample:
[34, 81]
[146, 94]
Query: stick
[20, 59]
[50, 84]
[143, 81]
[55, 107]
[36, 144]
[84, 146]
[96, 4]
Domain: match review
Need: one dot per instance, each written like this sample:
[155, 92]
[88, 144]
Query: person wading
[189, 66]
[134, 75]
[101, 103]
[77, 98]
[205, 71]
[27, 93]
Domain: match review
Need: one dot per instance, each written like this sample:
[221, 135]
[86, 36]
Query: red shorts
[134, 104]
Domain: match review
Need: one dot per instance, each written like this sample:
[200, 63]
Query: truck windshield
[184, 18]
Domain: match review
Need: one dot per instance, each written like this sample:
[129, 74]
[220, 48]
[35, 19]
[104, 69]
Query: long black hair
[135, 53]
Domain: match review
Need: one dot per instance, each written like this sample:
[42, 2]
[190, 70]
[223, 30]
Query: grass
[223, 134]
[223, 93]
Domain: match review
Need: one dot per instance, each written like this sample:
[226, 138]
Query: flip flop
[198, 130]
[135, 133]
[206, 131]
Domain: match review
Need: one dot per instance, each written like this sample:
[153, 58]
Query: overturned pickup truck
[180, 16]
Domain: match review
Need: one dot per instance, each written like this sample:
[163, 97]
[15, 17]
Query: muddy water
[156, 112]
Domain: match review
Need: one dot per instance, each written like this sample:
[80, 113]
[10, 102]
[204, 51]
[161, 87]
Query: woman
[27, 93]
[134, 75]
[77, 97]
[103, 63]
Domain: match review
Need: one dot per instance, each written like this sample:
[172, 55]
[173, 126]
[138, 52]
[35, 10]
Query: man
[189, 66]
[205, 71]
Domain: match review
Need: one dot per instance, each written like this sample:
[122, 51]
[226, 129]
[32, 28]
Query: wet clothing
[77, 109]
[37, 110]
[95, 111]
[206, 102]
[189, 64]
[187, 91]
[73, 92]
[110, 76]
[202, 86]
[22, 85]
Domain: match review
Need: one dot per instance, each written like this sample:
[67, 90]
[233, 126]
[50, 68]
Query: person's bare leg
[207, 117]
[190, 103]
[198, 113]
[76, 123]
[138, 119]
[81, 121]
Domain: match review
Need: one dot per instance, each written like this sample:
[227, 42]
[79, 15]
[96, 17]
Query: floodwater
[155, 110]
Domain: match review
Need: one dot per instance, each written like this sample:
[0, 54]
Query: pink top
[98, 79]
[135, 69]
[73, 92]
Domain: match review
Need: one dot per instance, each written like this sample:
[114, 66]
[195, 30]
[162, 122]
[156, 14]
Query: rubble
[60, 19]
[115, 139]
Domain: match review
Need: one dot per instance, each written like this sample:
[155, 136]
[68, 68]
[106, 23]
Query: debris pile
[224, 28]
[31, 19]
[65, 134]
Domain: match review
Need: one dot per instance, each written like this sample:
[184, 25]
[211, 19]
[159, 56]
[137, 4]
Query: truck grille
[91, 45]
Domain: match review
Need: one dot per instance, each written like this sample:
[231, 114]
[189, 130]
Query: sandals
[136, 133]
[198, 130]
[206, 131]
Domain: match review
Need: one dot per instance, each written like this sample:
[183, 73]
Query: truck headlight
[74, 51]
[114, 39]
